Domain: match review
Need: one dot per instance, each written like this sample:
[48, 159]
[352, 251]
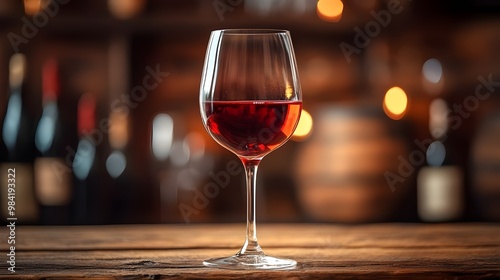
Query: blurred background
[100, 120]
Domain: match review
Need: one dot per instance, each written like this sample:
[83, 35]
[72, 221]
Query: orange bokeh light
[395, 103]
[330, 10]
[304, 127]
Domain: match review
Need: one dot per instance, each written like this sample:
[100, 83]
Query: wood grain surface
[375, 251]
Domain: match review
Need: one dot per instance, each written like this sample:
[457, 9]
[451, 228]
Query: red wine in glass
[252, 128]
[250, 103]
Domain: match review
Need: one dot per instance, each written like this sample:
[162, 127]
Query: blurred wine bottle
[52, 172]
[440, 183]
[18, 143]
[124, 201]
[85, 191]
[485, 168]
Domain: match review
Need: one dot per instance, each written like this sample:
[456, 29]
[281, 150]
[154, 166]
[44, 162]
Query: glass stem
[251, 246]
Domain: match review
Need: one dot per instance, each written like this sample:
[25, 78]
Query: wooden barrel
[486, 169]
[340, 170]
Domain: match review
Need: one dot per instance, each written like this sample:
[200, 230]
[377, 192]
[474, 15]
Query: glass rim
[251, 31]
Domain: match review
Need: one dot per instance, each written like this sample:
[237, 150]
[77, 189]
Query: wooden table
[375, 251]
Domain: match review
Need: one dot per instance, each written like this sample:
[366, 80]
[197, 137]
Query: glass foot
[251, 262]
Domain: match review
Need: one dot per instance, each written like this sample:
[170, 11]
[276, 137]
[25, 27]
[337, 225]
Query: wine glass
[250, 103]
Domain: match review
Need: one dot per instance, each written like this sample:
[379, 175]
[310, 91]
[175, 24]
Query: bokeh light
[436, 154]
[330, 10]
[125, 9]
[395, 103]
[162, 136]
[432, 70]
[304, 127]
[118, 129]
[116, 164]
[438, 118]
[432, 76]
